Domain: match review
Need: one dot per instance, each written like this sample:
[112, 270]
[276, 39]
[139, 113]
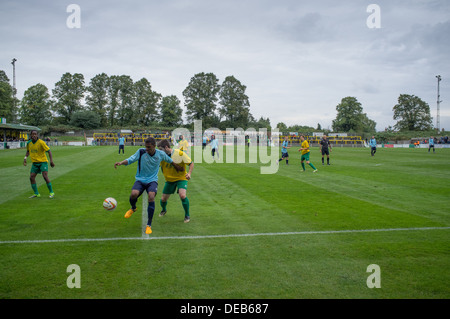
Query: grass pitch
[288, 235]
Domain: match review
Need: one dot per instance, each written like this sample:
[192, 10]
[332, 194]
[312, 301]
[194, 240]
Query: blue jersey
[373, 142]
[148, 165]
[431, 141]
[214, 143]
[121, 141]
[284, 146]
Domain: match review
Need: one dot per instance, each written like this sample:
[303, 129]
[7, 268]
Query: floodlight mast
[438, 119]
[14, 85]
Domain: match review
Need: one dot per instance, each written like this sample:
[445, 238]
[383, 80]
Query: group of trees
[118, 101]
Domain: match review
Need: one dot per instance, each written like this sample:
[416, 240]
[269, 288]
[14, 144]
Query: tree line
[118, 101]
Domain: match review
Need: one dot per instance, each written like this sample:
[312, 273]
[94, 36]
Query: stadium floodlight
[14, 84]
[438, 120]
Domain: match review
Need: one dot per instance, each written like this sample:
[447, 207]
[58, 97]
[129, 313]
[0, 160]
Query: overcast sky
[298, 59]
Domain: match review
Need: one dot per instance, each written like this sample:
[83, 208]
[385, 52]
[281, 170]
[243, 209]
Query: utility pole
[438, 119]
[14, 88]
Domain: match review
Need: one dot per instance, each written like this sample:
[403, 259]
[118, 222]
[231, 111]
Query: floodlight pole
[14, 85]
[438, 120]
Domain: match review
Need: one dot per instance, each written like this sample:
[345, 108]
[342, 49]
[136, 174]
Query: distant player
[183, 144]
[175, 180]
[373, 146]
[431, 144]
[122, 144]
[325, 148]
[204, 141]
[149, 159]
[214, 146]
[284, 150]
[305, 154]
[37, 149]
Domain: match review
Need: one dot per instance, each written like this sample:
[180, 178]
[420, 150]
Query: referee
[325, 148]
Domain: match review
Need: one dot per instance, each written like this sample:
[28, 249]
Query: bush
[86, 120]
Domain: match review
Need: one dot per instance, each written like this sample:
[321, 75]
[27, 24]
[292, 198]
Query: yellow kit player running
[175, 179]
[183, 144]
[305, 154]
[36, 149]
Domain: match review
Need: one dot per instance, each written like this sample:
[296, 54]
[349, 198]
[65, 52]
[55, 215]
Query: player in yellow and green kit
[183, 144]
[37, 149]
[175, 179]
[305, 154]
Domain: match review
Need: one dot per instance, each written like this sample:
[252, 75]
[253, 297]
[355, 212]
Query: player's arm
[50, 156]
[177, 167]
[25, 158]
[124, 162]
[191, 168]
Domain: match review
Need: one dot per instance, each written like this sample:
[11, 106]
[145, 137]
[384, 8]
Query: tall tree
[235, 104]
[146, 103]
[125, 100]
[350, 117]
[68, 93]
[97, 98]
[113, 99]
[6, 97]
[412, 114]
[35, 106]
[171, 112]
[200, 98]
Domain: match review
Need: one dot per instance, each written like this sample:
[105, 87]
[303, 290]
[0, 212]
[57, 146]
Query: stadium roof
[20, 127]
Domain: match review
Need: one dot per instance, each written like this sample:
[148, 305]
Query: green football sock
[185, 203]
[310, 164]
[303, 165]
[49, 186]
[163, 204]
[34, 187]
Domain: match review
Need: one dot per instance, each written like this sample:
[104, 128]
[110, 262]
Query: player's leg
[182, 192]
[136, 191]
[44, 169]
[150, 211]
[169, 188]
[163, 203]
[33, 184]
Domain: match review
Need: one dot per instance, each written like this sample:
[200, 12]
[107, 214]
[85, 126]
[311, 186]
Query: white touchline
[319, 232]
[144, 218]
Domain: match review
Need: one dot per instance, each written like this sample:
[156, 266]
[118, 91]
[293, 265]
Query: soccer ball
[110, 204]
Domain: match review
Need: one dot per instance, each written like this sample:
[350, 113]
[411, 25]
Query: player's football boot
[148, 230]
[129, 213]
[163, 212]
[35, 196]
[51, 195]
[187, 219]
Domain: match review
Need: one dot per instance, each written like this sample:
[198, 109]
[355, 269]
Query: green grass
[301, 258]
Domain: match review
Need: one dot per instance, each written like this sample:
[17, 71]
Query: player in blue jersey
[431, 144]
[214, 146]
[122, 144]
[373, 146]
[284, 150]
[148, 159]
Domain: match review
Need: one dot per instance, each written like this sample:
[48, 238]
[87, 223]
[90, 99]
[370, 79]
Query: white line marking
[144, 218]
[223, 236]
